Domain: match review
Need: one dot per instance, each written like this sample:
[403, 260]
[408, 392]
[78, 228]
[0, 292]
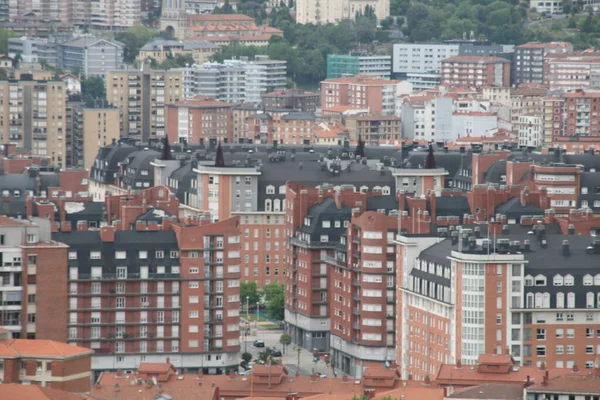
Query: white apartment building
[546, 6]
[235, 81]
[331, 11]
[530, 130]
[380, 66]
[427, 118]
[473, 124]
[420, 58]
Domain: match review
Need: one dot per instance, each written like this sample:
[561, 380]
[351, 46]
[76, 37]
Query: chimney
[565, 248]
[505, 230]
[571, 229]
[369, 393]
[458, 364]
[168, 360]
[107, 234]
[454, 237]
[575, 368]
[427, 380]
[526, 245]
[82, 225]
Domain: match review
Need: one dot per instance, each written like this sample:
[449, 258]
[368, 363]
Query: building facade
[529, 60]
[293, 99]
[350, 65]
[332, 11]
[476, 72]
[141, 96]
[91, 56]
[420, 58]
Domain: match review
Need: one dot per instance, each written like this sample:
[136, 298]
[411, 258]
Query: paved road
[290, 359]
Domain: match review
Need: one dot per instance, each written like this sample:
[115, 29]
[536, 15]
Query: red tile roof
[223, 18]
[573, 383]
[18, 348]
[13, 391]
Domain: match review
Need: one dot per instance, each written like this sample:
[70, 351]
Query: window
[541, 334]
[120, 255]
[31, 239]
[193, 314]
[560, 333]
[540, 351]
[570, 349]
[120, 302]
[159, 254]
[121, 272]
[174, 254]
[559, 349]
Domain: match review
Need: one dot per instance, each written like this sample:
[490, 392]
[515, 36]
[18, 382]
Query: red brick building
[199, 119]
[582, 113]
[475, 71]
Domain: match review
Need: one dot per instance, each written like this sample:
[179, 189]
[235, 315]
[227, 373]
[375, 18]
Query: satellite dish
[154, 380]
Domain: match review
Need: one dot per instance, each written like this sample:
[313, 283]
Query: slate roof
[386, 202]
[451, 205]
[495, 172]
[326, 210]
[514, 210]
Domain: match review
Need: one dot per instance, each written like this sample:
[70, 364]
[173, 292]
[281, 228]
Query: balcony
[355, 283]
[390, 299]
[355, 311]
[319, 274]
[356, 297]
[356, 326]
[317, 302]
[319, 288]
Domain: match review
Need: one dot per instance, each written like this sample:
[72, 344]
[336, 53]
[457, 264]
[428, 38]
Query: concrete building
[374, 129]
[108, 14]
[364, 91]
[99, 127]
[35, 50]
[420, 58]
[530, 130]
[581, 116]
[546, 7]
[424, 81]
[236, 81]
[529, 60]
[332, 11]
[33, 115]
[475, 71]
[160, 49]
[91, 56]
[141, 97]
[427, 117]
[572, 71]
[358, 64]
[73, 122]
[553, 118]
[473, 124]
[293, 99]
[215, 118]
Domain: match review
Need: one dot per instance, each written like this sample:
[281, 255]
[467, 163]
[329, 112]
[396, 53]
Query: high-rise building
[91, 56]
[215, 116]
[358, 64]
[292, 99]
[475, 71]
[141, 96]
[332, 11]
[420, 58]
[33, 116]
[530, 57]
[572, 71]
[235, 81]
[99, 127]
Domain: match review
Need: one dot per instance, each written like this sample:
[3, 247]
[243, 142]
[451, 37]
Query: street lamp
[247, 307]
[257, 313]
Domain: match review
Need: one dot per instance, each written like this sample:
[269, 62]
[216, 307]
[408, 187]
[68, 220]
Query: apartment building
[332, 11]
[553, 118]
[581, 115]
[91, 56]
[420, 58]
[141, 96]
[374, 129]
[293, 128]
[44, 363]
[530, 57]
[108, 14]
[292, 99]
[546, 7]
[33, 116]
[511, 307]
[475, 71]
[185, 281]
[358, 64]
[363, 91]
[525, 102]
[236, 81]
[572, 71]
[97, 127]
[530, 130]
[35, 50]
[427, 117]
[199, 119]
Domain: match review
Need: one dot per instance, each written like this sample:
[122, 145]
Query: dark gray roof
[260, 116]
[495, 172]
[299, 116]
[326, 210]
[513, 209]
[154, 215]
[438, 253]
[383, 202]
[451, 205]
[49, 180]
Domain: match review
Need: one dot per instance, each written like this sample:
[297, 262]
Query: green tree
[264, 357]
[93, 88]
[275, 307]
[6, 34]
[3, 75]
[248, 289]
[399, 7]
[134, 38]
[246, 358]
[285, 339]
[271, 290]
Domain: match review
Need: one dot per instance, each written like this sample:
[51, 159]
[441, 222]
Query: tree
[246, 358]
[6, 34]
[134, 38]
[264, 357]
[285, 339]
[248, 289]
[275, 307]
[271, 290]
[93, 88]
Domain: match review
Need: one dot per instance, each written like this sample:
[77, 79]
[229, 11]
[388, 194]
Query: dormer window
[540, 280]
[307, 221]
[558, 280]
[326, 224]
[324, 238]
[584, 190]
[588, 280]
[569, 280]
[270, 189]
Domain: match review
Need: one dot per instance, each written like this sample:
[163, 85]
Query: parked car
[273, 352]
[259, 343]
[320, 375]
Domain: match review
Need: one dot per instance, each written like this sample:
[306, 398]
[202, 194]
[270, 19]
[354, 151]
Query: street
[289, 359]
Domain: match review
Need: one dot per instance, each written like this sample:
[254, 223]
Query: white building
[420, 58]
[530, 129]
[427, 118]
[331, 11]
[235, 81]
[425, 80]
[473, 124]
[547, 6]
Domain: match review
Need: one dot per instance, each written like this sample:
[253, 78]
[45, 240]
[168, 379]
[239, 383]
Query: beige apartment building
[330, 11]
[141, 96]
[33, 116]
[99, 128]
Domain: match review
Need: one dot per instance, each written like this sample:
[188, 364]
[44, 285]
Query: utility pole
[298, 366]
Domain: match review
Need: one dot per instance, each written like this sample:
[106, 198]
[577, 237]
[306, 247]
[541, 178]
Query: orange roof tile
[219, 18]
[582, 93]
[7, 221]
[13, 391]
[541, 45]
[155, 368]
[574, 383]
[339, 109]
[18, 348]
